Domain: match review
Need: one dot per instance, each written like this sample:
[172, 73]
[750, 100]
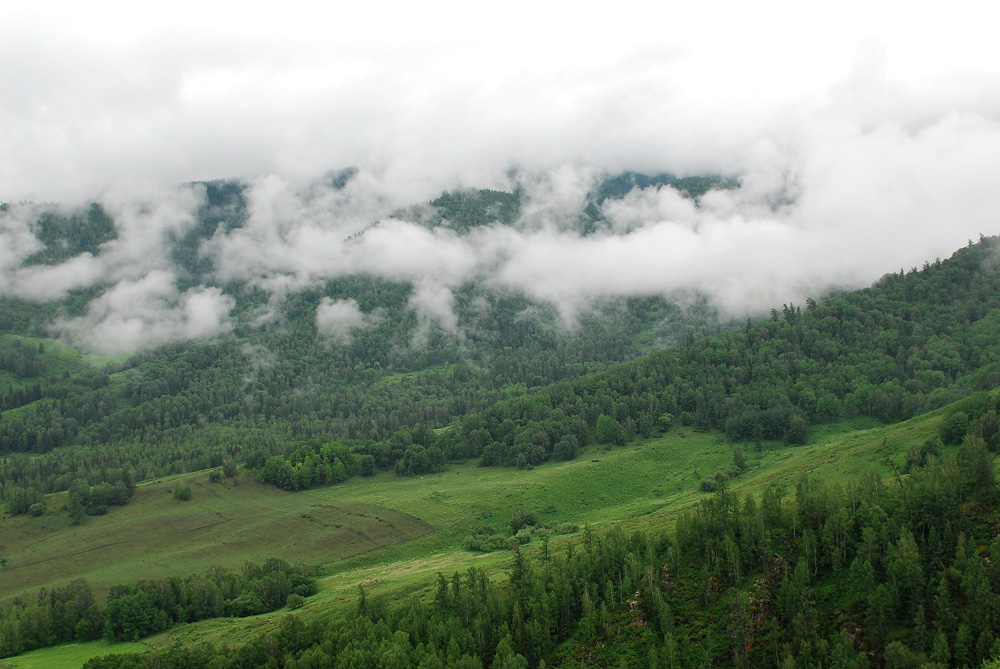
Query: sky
[865, 136]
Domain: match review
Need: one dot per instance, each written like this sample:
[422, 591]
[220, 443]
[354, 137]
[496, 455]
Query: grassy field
[394, 534]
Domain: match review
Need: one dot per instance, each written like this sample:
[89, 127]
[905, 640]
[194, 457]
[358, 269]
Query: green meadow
[68, 655]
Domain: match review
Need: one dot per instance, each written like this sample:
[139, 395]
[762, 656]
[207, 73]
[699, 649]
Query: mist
[857, 150]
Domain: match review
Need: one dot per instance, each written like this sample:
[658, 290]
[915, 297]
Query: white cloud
[107, 95]
[147, 311]
[17, 240]
[859, 149]
[336, 320]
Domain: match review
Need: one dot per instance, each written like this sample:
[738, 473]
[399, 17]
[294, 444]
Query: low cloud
[148, 311]
[834, 210]
[837, 188]
[336, 320]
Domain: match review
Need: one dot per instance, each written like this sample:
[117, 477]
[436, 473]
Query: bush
[213, 477]
[247, 604]
[182, 492]
[295, 601]
[567, 448]
[709, 485]
[487, 544]
[521, 519]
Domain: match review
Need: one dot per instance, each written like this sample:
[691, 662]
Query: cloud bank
[835, 210]
[859, 151]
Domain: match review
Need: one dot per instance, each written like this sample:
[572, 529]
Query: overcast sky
[873, 125]
[104, 94]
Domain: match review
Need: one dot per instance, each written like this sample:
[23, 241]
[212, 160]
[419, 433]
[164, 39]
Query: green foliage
[521, 519]
[739, 462]
[464, 210]
[20, 500]
[182, 492]
[609, 431]
[953, 428]
[708, 485]
[798, 430]
[72, 613]
[65, 237]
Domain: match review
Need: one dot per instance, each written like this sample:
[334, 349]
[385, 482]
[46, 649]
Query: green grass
[394, 534]
[407, 378]
[223, 524]
[68, 655]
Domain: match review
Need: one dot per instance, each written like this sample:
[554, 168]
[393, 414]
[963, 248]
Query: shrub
[247, 604]
[182, 492]
[366, 465]
[486, 544]
[37, 509]
[295, 601]
[522, 518]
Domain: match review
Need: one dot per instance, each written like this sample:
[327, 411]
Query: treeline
[898, 573]
[73, 613]
[82, 499]
[309, 465]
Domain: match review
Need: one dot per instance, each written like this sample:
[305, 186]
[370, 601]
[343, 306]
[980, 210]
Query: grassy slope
[68, 655]
[223, 524]
[642, 486]
[57, 358]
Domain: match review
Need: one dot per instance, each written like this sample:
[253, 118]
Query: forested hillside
[281, 382]
[891, 573]
[909, 344]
